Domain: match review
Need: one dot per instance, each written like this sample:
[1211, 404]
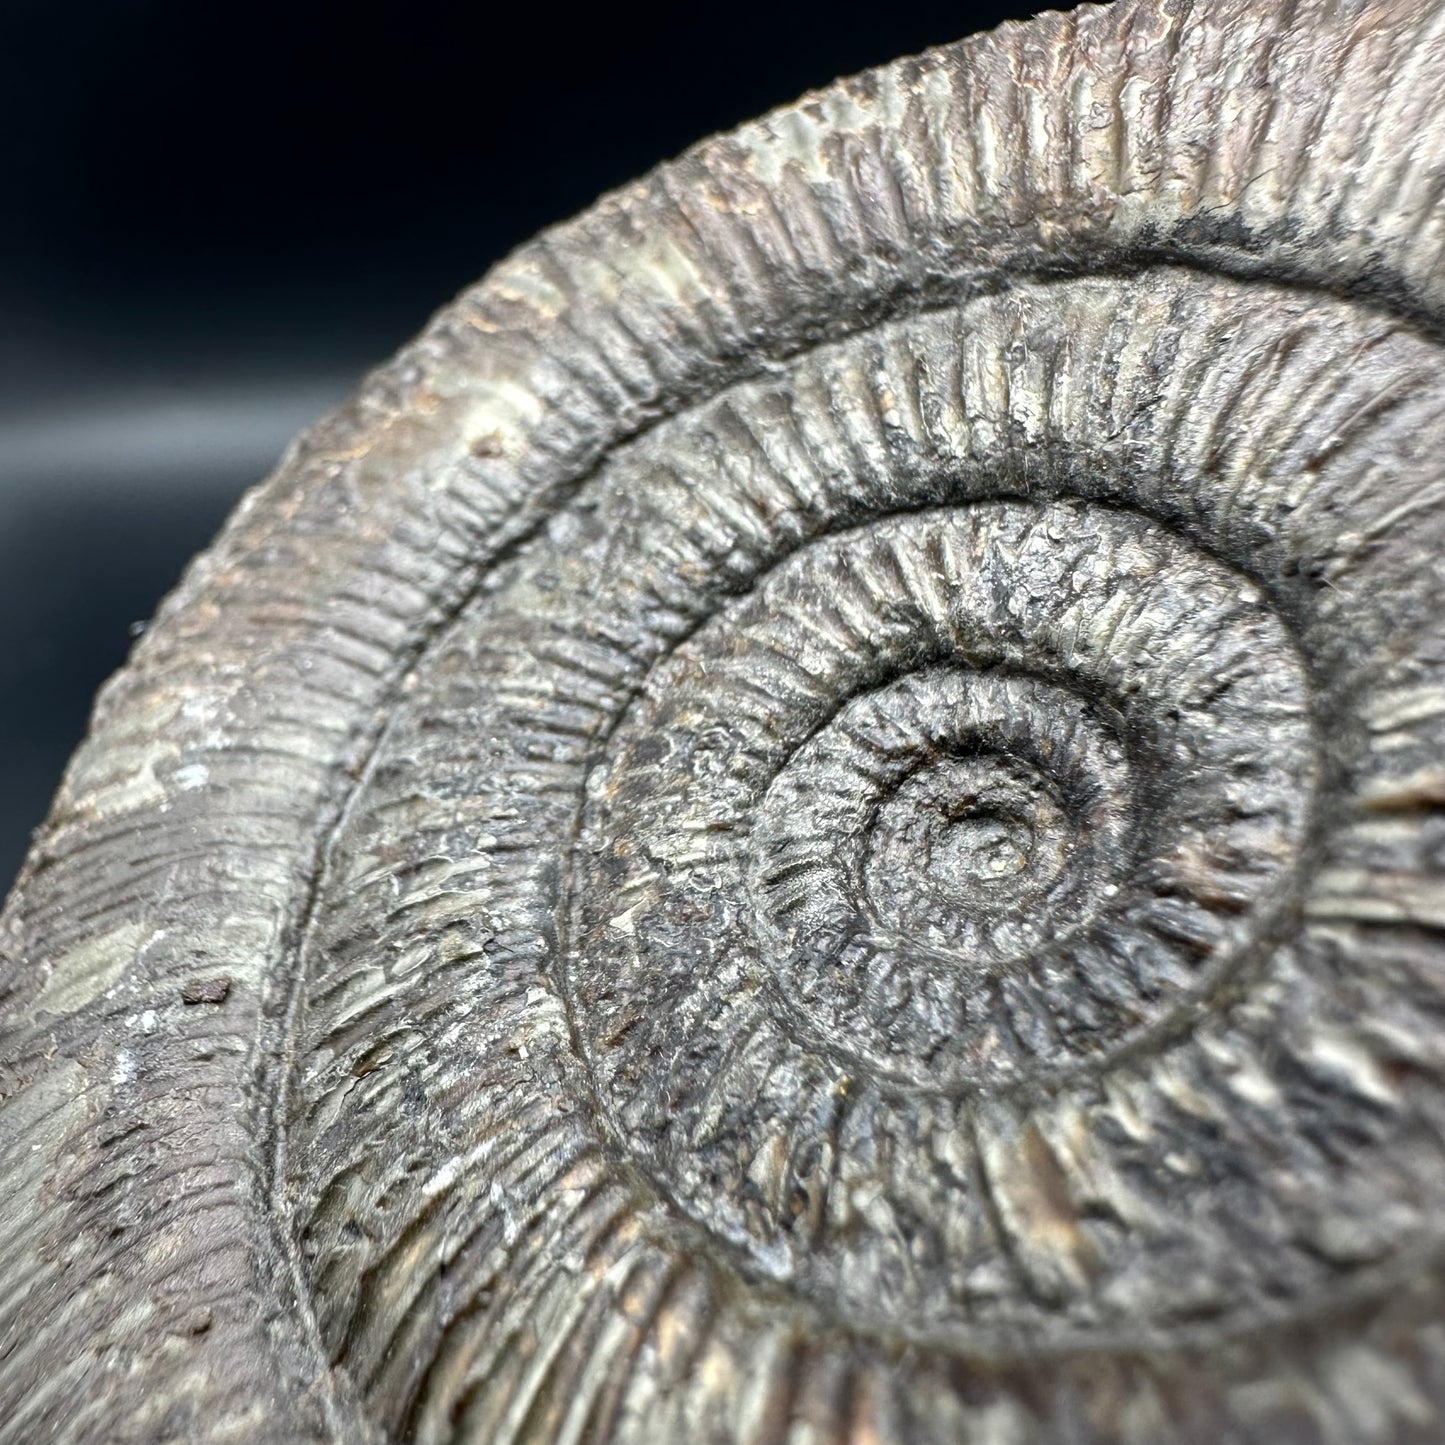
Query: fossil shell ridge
[817, 817]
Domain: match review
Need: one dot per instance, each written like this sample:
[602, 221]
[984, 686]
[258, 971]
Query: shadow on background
[218, 216]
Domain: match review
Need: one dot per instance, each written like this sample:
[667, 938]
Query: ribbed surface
[640, 678]
[159, 1290]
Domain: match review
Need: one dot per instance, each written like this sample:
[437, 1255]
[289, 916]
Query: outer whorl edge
[817, 817]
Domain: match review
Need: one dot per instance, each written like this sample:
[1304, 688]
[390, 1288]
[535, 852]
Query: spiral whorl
[817, 818]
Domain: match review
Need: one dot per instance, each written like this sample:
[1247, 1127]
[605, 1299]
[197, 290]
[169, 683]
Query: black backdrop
[213, 217]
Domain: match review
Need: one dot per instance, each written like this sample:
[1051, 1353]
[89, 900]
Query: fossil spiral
[819, 817]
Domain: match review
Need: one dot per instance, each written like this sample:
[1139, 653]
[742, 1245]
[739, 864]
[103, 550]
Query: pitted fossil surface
[819, 817]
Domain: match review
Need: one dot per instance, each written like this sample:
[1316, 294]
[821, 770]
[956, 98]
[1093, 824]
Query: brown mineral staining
[1049, 1215]
[489, 444]
[789, 854]
[1425, 791]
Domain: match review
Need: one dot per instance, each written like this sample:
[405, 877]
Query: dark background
[214, 217]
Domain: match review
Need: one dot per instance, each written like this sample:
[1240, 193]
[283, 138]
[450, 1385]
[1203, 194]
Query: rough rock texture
[817, 818]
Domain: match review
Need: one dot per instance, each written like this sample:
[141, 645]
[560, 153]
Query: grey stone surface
[818, 817]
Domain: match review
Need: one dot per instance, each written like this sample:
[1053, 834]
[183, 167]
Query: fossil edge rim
[404, 491]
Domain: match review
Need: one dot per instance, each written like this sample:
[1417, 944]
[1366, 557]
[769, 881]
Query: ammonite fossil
[817, 818]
